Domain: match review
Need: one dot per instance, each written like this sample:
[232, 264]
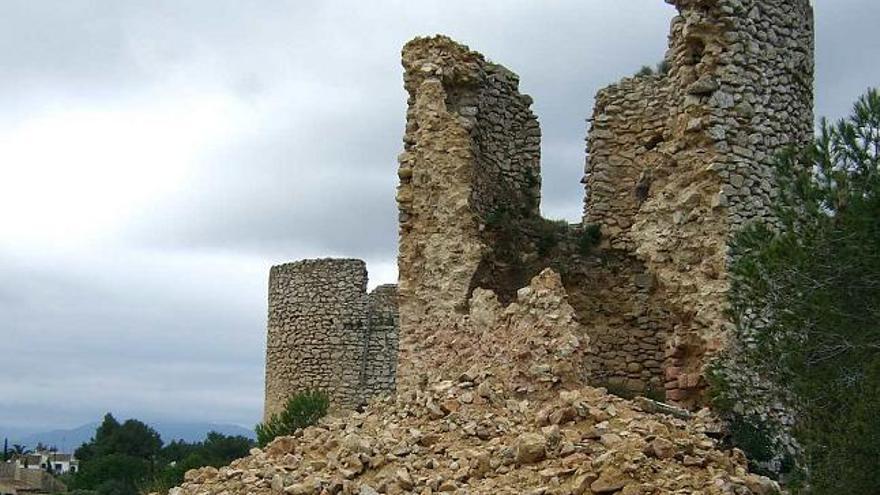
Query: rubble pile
[508, 416]
[532, 346]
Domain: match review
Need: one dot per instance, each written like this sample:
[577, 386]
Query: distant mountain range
[69, 440]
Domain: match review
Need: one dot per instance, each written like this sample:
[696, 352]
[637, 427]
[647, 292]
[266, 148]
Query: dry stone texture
[536, 340]
[679, 162]
[509, 418]
[471, 151]
[327, 333]
[496, 350]
[625, 317]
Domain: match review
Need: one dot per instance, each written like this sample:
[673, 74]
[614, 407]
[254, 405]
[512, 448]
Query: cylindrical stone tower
[323, 335]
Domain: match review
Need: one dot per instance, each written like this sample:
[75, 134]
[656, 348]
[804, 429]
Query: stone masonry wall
[469, 217]
[471, 152]
[679, 162]
[622, 310]
[379, 367]
[326, 333]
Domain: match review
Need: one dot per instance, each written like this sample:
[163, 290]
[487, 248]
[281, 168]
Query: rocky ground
[495, 404]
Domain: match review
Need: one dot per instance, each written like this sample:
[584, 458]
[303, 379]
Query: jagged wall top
[471, 150]
[483, 97]
[439, 57]
[679, 162]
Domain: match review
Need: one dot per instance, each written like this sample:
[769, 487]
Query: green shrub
[302, 410]
[748, 434]
[663, 67]
[497, 218]
[645, 71]
[589, 238]
[805, 294]
[116, 487]
[549, 233]
[722, 395]
[179, 456]
[111, 473]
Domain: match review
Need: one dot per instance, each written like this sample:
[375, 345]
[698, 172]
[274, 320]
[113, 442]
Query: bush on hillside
[302, 410]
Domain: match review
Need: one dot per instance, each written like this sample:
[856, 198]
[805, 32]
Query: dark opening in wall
[695, 49]
[653, 142]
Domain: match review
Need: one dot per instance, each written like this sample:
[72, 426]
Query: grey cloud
[327, 181]
[846, 44]
[118, 334]
[320, 187]
[167, 319]
[356, 217]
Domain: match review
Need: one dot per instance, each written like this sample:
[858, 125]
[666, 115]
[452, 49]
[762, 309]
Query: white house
[45, 460]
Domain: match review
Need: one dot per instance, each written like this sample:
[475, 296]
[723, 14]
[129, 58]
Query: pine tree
[807, 290]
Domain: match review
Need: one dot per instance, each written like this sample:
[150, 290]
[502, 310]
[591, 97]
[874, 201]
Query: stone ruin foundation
[677, 162]
[325, 332]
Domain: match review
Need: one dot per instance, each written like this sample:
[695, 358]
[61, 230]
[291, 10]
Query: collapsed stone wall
[325, 332]
[679, 162]
[470, 220]
[469, 216]
[496, 408]
[471, 153]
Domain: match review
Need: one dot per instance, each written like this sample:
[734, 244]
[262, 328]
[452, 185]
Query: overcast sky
[156, 158]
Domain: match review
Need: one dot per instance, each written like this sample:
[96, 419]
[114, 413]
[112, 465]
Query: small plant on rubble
[645, 71]
[548, 234]
[302, 410]
[588, 238]
[663, 67]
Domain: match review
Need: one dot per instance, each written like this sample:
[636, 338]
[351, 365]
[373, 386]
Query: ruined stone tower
[472, 151]
[678, 162]
[325, 332]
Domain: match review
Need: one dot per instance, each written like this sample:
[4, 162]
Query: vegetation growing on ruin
[548, 234]
[588, 238]
[302, 410]
[807, 292]
[525, 245]
[661, 69]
